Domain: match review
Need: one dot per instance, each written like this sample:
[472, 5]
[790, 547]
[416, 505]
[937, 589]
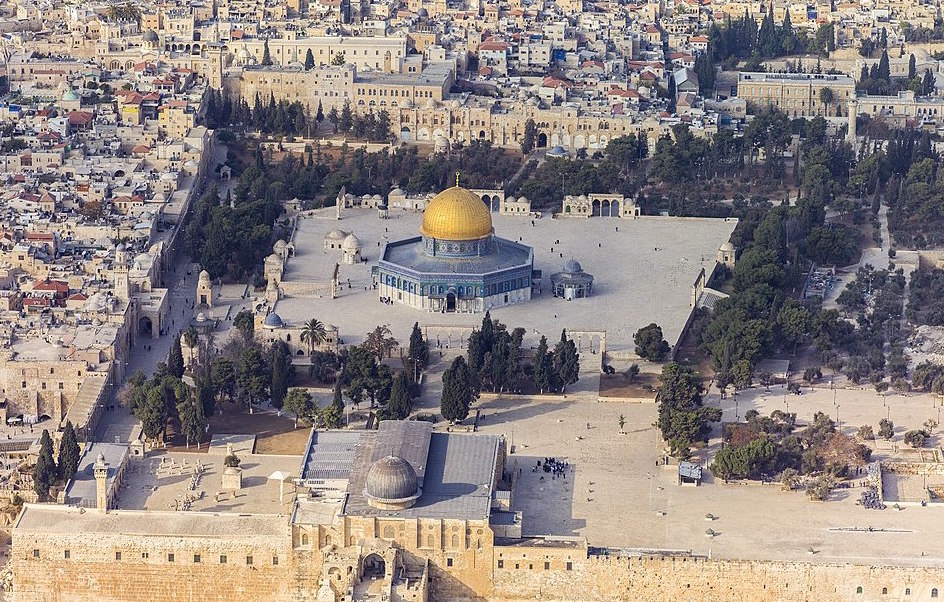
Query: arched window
[884, 591]
[304, 539]
[455, 544]
[907, 591]
[388, 532]
[429, 541]
[934, 592]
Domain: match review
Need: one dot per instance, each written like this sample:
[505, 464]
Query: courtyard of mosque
[643, 271]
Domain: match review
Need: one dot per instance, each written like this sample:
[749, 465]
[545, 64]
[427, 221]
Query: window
[196, 559]
[934, 592]
[570, 566]
[222, 558]
[35, 552]
[144, 555]
[170, 557]
[249, 560]
[275, 561]
[67, 554]
[884, 591]
[547, 566]
[501, 564]
[907, 591]
[117, 555]
[449, 562]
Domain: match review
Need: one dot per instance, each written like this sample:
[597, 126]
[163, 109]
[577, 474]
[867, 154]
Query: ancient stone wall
[681, 578]
[116, 567]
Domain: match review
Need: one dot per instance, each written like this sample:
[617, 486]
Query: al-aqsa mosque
[457, 264]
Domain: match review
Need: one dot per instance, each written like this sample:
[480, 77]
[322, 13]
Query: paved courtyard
[617, 495]
[644, 271]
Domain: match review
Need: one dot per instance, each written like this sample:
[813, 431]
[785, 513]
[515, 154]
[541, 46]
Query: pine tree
[543, 368]
[309, 60]
[298, 402]
[400, 404]
[175, 361]
[68, 453]
[786, 34]
[419, 349]
[458, 392]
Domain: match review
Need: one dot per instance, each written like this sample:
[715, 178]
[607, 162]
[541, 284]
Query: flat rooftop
[69, 520]
[643, 272]
[166, 482]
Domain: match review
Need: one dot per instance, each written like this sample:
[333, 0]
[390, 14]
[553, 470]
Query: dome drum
[457, 248]
[392, 484]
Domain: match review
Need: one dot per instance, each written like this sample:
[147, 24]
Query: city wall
[685, 578]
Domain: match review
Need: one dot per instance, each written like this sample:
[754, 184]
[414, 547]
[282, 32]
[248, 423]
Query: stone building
[796, 94]
[599, 205]
[457, 264]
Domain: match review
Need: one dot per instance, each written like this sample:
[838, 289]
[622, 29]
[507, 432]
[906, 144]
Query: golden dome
[456, 214]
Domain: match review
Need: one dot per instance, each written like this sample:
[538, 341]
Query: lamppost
[838, 422]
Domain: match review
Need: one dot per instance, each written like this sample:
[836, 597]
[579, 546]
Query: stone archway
[374, 567]
[145, 326]
[615, 208]
[451, 301]
[596, 209]
[542, 140]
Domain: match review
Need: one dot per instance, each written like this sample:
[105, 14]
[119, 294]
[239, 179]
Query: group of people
[386, 300]
[554, 467]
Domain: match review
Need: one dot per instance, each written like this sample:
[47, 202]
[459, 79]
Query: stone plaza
[645, 270]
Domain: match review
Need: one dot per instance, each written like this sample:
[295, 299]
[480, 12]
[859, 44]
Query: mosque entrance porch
[451, 301]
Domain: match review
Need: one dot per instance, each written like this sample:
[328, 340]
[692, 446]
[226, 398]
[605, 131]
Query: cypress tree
[419, 348]
[566, 362]
[457, 392]
[44, 474]
[68, 453]
[400, 404]
[319, 115]
[175, 361]
[266, 57]
[309, 60]
[912, 67]
[542, 367]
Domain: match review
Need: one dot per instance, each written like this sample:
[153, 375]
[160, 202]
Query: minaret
[853, 111]
[122, 282]
[101, 484]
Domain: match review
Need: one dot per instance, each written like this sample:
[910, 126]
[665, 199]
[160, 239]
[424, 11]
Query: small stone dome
[201, 317]
[397, 192]
[70, 96]
[336, 235]
[273, 320]
[522, 199]
[150, 36]
[279, 245]
[391, 484]
[726, 247]
[351, 243]
[572, 267]
[204, 276]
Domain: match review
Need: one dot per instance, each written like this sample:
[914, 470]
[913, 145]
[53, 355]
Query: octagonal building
[457, 264]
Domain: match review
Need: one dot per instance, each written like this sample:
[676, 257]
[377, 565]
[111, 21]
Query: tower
[853, 113]
[122, 280]
[101, 484]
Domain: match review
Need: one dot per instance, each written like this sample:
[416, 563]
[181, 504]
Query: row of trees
[47, 472]
[371, 126]
[742, 39]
